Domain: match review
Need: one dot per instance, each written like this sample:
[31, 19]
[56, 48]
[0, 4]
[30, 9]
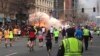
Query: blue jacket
[78, 33]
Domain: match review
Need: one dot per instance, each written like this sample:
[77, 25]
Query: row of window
[42, 10]
[45, 3]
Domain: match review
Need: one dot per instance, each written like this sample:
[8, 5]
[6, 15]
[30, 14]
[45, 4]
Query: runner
[15, 30]
[56, 35]
[43, 30]
[6, 36]
[64, 32]
[32, 37]
[51, 31]
[48, 42]
[19, 32]
[1, 35]
[40, 36]
[11, 37]
[79, 33]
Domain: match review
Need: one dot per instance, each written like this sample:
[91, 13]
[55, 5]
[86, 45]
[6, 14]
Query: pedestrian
[79, 33]
[32, 37]
[11, 36]
[86, 36]
[43, 30]
[48, 42]
[1, 35]
[15, 30]
[64, 32]
[70, 46]
[19, 32]
[56, 35]
[40, 36]
[51, 31]
[6, 36]
[36, 32]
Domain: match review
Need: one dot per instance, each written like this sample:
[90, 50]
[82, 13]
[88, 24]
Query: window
[73, 3]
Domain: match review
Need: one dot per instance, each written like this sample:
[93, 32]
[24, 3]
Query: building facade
[58, 11]
[13, 7]
[42, 6]
[70, 9]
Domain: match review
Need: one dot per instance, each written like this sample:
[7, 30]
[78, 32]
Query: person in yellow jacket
[70, 46]
[86, 37]
[6, 36]
[1, 35]
[56, 35]
[11, 36]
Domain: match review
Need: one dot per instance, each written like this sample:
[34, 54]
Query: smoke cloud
[88, 3]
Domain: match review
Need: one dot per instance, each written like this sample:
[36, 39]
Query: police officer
[86, 36]
[70, 46]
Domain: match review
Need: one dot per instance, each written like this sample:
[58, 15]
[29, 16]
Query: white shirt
[19, 32]
[43, 29]
[51, 30]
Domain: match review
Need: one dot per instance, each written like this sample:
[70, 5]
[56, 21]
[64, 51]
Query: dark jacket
[48, 37]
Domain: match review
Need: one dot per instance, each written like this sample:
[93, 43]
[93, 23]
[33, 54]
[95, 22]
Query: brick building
[58, 11]
[70, 9]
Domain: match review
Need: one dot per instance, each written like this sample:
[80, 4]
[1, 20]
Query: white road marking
[11, 54]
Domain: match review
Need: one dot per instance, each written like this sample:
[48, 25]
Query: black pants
[56, 39]
[86, 42]
[49, 45]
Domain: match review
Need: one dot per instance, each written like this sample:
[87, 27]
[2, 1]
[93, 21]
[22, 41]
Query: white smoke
[49, 21]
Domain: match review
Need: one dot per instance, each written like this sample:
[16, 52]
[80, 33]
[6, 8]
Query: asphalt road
[19, 49]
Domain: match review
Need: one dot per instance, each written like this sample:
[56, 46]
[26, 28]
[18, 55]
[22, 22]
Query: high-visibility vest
[11, 34]
[72, 47]
[85, 32]
[56, 33]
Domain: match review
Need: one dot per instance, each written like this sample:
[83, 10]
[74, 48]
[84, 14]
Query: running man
[6, 36]
[48, 42]
[32, 37]
[1, 35]
[56, 35]
[11, 36]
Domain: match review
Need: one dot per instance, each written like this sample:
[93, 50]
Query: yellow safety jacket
[85, 32]
[72, 47]
[11, 34]
[56, 33]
